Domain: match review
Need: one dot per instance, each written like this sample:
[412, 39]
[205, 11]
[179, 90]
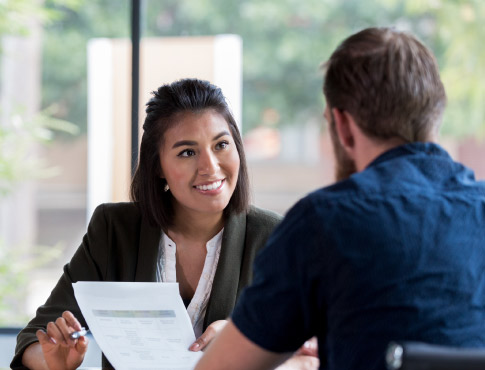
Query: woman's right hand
[209, 334]
[60, 351]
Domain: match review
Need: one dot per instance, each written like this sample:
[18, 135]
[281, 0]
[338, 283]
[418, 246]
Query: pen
[78, 334]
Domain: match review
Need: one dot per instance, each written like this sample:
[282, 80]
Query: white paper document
[138, 325]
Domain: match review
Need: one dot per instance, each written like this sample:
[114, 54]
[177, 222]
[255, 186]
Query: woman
[189, 222]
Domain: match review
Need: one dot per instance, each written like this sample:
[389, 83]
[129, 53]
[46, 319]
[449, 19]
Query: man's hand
[209, 334]
[60, 351]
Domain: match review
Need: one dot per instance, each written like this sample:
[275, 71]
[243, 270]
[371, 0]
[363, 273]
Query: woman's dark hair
[187, 95]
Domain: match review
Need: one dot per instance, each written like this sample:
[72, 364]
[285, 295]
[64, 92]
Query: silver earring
[166, 188]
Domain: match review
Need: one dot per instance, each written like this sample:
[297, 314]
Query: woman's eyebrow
[223, 133]
[194, 143]
[184, 143]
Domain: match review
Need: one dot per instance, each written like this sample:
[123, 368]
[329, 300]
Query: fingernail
[195, 346]
[52, 340]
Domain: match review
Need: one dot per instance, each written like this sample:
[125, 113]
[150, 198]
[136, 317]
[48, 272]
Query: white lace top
[166, 272]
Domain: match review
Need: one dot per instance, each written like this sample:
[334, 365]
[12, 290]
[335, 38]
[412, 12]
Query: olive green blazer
[120, 245]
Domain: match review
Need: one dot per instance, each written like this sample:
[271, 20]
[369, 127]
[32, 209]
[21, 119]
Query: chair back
[424, 356]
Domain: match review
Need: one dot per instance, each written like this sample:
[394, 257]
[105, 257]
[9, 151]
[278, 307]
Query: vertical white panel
[20, 84]
[228, 71]
[100, 123]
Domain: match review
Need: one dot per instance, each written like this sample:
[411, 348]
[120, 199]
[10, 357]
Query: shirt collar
[215, 241]
[410, 149]
[210, 246]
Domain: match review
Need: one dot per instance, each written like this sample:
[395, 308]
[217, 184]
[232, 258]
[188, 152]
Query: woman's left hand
[208, 335]
[306, 358]
[300, 362]
[309, 348]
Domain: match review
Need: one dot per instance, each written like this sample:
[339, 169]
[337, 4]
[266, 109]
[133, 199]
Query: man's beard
[344, 165]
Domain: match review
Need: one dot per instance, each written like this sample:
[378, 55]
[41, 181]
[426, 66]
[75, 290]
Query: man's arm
[232, 350]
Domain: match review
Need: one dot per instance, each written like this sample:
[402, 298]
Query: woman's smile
[211, 187]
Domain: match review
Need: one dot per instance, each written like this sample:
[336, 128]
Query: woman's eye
[222, 145]
[186, 153]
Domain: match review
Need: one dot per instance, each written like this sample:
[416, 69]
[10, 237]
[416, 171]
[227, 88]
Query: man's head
[389, 83]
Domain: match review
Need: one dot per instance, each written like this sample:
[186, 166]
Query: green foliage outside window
[15, 266]
[284, 43]
[20, 162]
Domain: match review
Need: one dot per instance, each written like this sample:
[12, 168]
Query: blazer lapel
[146, 266]
[226, 280]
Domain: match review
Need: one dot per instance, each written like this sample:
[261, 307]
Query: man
[394, 251]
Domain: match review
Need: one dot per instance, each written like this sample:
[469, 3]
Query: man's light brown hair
[389, 82]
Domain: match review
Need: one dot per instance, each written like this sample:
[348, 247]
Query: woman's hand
[309, 348]
[60, 351]
[208, 335]
[306, 358]
[300, 362]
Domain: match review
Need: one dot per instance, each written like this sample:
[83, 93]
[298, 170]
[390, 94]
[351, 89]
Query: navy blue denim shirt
[396, 252]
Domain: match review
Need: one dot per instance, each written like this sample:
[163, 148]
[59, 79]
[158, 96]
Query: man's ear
[344, 123]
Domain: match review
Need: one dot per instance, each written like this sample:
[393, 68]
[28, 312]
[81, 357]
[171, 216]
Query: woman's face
[200, 162]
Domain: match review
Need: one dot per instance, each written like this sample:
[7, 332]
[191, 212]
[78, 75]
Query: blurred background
[65, 104]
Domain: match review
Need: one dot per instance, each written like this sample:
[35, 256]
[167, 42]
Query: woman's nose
[208, 163]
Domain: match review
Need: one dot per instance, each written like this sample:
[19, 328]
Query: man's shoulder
[341, 198]
[338, 191]
[387, 176]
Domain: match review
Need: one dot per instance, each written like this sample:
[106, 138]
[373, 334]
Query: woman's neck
[196, 227]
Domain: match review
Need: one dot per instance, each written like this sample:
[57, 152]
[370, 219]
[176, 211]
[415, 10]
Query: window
[266, 53]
